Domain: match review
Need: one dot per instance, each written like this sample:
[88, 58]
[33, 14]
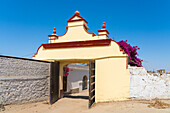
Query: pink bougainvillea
[132, 53]
[66, 70]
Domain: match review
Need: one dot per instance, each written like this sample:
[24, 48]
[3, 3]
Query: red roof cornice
[81, 18]
[53, 35]
[93, 34]
[88, 43]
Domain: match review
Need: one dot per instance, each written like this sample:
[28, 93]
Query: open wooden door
[91, 83]
[64, 84]
[84, 82]
[54, 82]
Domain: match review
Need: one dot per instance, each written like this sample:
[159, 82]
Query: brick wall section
[23, 80]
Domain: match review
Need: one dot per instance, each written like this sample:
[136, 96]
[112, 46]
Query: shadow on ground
[76, 97]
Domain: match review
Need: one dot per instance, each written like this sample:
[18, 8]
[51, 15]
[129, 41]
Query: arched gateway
[109, 75]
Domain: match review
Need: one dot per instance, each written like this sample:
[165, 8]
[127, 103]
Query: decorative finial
[77, 13]
[54, 31]
[103, 26]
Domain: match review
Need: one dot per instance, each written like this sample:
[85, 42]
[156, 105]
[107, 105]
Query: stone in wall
[146, 86]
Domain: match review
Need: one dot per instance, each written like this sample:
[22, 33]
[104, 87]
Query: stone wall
[146, 86]
[23, 80]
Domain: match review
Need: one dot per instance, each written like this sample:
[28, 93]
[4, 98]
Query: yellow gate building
[77, 45]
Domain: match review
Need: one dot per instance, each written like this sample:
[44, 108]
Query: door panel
[64, 84]
[54, 82]
[91, 83]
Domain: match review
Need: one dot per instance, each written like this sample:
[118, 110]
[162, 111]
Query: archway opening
[71, 82]
[75, 80]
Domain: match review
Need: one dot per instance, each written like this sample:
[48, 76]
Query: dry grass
[155, 74]
[158, 104]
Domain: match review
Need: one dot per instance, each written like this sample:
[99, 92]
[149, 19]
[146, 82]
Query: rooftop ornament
[54, 31]
[53, 36]
[77, 13]
[104, 25]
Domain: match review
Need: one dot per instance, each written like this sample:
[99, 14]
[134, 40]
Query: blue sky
[26, 24]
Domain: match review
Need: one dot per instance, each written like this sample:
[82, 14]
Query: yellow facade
[112, 75]
[112, 80]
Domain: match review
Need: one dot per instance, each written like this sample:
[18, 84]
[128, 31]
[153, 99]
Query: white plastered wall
[75, 77]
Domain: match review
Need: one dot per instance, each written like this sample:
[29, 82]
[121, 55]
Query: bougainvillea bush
[66, 70]
[132, 53]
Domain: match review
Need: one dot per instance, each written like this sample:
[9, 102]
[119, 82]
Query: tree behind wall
[132, 53]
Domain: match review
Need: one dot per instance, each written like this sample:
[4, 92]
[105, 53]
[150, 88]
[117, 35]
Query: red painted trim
[77, 20]
[52, 35]
[85, 26]
[37, 51]
[119, 47]
[65, 32]
[93, 34]
[102, 30]
[88, 43]
[103, 34]
[81, 18]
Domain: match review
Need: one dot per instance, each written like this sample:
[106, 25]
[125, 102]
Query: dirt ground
[78, 103]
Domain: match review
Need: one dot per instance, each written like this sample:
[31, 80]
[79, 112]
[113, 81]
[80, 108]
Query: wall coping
[24, 58]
